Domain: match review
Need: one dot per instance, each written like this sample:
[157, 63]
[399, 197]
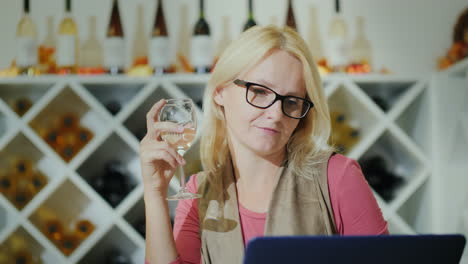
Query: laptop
[400, 249]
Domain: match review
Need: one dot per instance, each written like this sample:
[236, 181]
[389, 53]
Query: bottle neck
[251, 15]
[202, 9]
[337, 7]
[67, 6]
[26, 7]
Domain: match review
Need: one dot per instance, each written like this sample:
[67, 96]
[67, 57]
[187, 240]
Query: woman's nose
[275, 111]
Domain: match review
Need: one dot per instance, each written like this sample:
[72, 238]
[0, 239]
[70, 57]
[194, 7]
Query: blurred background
[78, 77]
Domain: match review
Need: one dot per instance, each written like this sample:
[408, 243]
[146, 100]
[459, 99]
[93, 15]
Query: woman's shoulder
[340, 166]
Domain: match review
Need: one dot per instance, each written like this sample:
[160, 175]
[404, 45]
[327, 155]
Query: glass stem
[181, 172]
[182, 178]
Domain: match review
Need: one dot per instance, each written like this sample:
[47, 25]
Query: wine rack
[396, 116]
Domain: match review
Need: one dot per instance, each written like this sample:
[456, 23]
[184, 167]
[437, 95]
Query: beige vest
[299, 206]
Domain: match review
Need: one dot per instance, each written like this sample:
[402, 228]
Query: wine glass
[181, 112]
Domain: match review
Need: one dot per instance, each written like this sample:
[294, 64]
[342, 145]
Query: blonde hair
[308, 146]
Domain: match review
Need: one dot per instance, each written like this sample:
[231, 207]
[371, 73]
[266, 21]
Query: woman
[268, 168]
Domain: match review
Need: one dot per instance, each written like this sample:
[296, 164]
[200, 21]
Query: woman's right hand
[158, 159]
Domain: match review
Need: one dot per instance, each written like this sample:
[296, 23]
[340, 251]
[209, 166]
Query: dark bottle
[113, 106]
[159, 48]
[114, 51]
[22, 257]
[115, 256]
[38, 181]
[116, 184]
[140, 226]
[51, 137]
[21, 105]
[68, 244]
[22, 193]
[67, 151]
[7, 184]
[83, 229]
[290, 20]
[202, 46]
[383, 181]
[250, 21]
[84, 135]
[68, 121]
[53, 229]
[378, 100]
[140, 133]
[22, 167]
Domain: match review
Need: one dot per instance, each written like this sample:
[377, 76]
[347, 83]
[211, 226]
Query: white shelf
[115, 137]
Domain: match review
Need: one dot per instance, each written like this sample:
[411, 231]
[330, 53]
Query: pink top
[355, 211]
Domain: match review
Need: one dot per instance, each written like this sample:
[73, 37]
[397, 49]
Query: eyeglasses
[263, 97]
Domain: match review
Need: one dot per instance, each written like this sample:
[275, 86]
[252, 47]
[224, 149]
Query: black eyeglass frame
[280, 97]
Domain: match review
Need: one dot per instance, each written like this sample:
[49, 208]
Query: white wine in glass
[181, 112]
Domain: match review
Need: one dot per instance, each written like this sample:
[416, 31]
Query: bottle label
[201, 51]
[66, 50]
[159, 53]
[114, 52]
[26, 52]
[338, 51]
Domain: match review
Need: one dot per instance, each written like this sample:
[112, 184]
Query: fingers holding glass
[180, 112]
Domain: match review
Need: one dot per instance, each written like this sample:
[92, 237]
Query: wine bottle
[38, 181]
[22, 257]
[361, 51]
[22, 194]
[114, 59]
[22, 167]
[83, 229]
[116, 181]
[68, 121]
[113, 106]
[21, 105]
[159, 55]
[26, 48]
[84, 135]
[91, 52]
[202, 47]
[68, 244]
[290, 19]
[140, 39]
[7, 184]
[115, 256]
[51, 137]
[140, 226]
[250, 20]
[47, 49]
[338, 46]
[68, 43]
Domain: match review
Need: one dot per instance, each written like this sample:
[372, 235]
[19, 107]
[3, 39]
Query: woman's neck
[253, 171]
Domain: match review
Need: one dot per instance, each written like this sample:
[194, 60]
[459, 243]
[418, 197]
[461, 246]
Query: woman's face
[263, 131]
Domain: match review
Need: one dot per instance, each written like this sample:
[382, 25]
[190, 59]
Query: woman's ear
[219, 96]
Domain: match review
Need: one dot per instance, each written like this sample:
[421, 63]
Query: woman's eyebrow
[271, 86]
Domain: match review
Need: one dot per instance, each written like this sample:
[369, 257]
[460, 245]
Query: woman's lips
[268, 130]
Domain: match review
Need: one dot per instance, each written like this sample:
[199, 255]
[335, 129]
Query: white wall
[407, 35]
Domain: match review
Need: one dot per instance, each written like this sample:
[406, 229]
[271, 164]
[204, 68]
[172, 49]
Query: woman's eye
[259, 91]
[291, 102]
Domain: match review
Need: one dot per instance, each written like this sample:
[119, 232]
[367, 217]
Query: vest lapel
[221, 231]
